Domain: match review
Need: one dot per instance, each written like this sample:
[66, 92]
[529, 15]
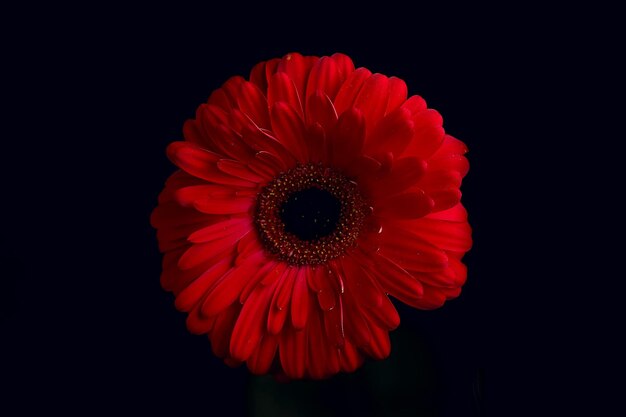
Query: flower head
[306, 196]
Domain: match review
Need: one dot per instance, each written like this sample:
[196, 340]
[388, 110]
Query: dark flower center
[311, 213]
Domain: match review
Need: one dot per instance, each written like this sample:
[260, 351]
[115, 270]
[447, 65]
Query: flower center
[310, 215]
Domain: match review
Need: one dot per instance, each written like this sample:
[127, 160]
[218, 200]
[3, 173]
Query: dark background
[92, 98]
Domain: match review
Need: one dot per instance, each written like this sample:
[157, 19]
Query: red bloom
[304, 198]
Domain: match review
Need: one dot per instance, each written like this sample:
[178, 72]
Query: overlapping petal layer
[261, 306]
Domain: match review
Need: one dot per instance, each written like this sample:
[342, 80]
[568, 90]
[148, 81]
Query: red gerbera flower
[305, 197]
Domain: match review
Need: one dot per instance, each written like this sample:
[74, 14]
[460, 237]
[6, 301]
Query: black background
[93, 96]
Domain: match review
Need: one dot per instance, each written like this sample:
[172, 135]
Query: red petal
[386, 315]
[274, 276]
[248, 247]
[359, 284]
[293, 352]
[426, 141]
[324, 77]
[186, 196]
[220, 99]
[193, 132]
[197, 323]
[300, 299]
[364, 167]
[250, 327]
[168, 243]
[172, 214]
[171, 235]
[411, 251]
[297, 68]
[445, 278]
[446, 198]
[228, 288]
[238, 121]
[317, 278]
[211, 115]
[414, 104]
[374, 301]
[450, 146]
[350, 358]
[344, 66]
[405, 206]
[346, 139]
[427, 118]
[181, 179]
[261, 141]
[350, 89]
[394, 279]
[195, 159]
[289, 130]
[397, 94]
[280, 302]
[272, 269]
[238, 169]
[201, 164]
[413, 261]
[320, 282]
[454, 214]
[283, 89]
[380, 345]
[317, 143]
[405, 173]
[460, 271]
[453, 236]
[355, 326]
[393, 134]
[320, 110]
[227, 205]
[261, 360]
[372, 100]
[257, 76]
[438, 180]
[208, 115]
[221, 229]
[327, 299]
[455, 163]
[266, 165]
[229, 143]
[319, 360]
[188, 297]
[231, 88]
[172, 275]
[283, 293]
[443, 188]
[253, 104]
[452, 277]
[333, 324]
[433, 297]
[222, 330]
[271, 67]
[203, 252]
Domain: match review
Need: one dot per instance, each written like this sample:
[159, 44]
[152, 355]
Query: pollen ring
[310, 248]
